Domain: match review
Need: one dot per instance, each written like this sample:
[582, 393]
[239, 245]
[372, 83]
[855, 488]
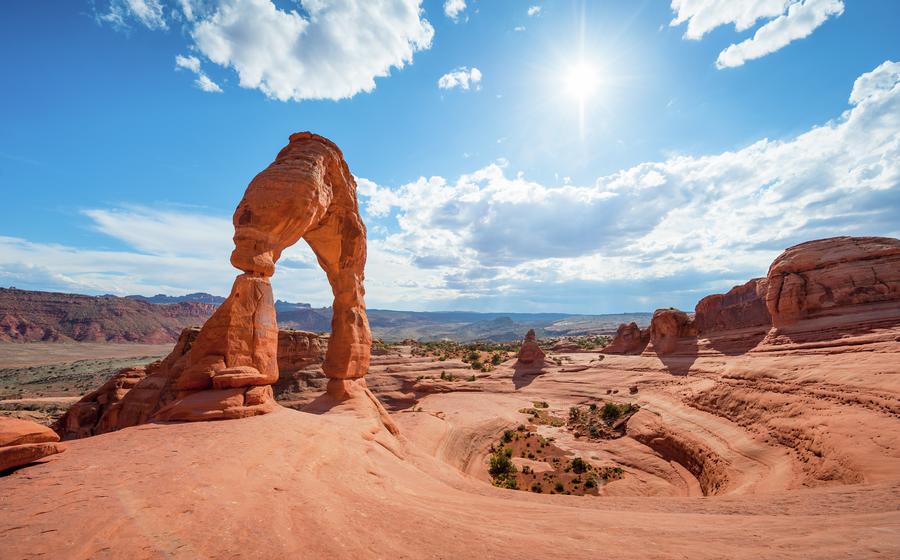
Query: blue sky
[511, 156]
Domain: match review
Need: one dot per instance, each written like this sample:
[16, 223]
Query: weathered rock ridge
[838, 276]
[830, 273]
[629, 339]
[740, 307]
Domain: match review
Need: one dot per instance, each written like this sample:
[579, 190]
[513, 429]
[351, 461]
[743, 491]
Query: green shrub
[496, 359]
[579, 465]
[508, 436]
[611, 412]
[536, 487]
[476, 364]
[559, 487]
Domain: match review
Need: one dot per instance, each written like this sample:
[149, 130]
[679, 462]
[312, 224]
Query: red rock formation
[23, 442]
[29, 316]
[828, 273]
[228, 370]
[300, 355]
[530, 353]
[742, 306]
[667, 326]
[629, 339]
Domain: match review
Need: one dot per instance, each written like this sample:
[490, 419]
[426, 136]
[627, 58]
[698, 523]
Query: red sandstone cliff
[27, 316]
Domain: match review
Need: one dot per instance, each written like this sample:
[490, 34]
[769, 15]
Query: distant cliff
[27, 316]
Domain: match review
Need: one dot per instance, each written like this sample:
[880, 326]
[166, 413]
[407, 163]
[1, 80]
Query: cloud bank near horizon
[657, 234]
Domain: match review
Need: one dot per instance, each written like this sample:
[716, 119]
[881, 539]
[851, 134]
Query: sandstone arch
[227, 371]
[307, 193]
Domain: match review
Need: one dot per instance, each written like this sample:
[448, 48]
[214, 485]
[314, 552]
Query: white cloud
[519, 28]
[672, 230]
[534, 10]
[793, 19]
[462, 78]
[702, 16]
[728, 214]
[331, 49]
[799, 22]
[191, 63]
[203, 81]
[149, 13]
[452, 8]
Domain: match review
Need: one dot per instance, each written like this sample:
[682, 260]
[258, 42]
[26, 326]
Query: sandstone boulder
[23, 442]
[831, 273]
[741, 307]
[530, 353]
[668, 326]
[629, 339]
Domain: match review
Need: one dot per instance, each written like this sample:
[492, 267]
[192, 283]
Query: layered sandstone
[530, 353]
[29, 316]
[825, 274]
[668, 326]
[741, 307]
[629, 339]
[23, 442]
[299, 357]
[228, 370]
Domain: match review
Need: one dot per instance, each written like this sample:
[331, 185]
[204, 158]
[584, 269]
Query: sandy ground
[44, 353]
[785, 450]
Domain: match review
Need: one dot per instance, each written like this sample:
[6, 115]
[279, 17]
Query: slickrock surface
[23, 442]
[530, 353]
[629, 339]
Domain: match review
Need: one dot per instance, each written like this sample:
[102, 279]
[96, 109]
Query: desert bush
[559, 487]
[580, 466]
[536, 487]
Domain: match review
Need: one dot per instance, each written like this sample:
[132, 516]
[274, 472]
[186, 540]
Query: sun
[581, 80]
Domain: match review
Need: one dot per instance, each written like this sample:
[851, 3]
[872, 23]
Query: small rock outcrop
[23, 442]
[668, 326]
[829, 273]
[530, 353]
[629, 339]
[741, 307]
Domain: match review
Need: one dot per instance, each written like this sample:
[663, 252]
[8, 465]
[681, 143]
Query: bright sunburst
[581, 80]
